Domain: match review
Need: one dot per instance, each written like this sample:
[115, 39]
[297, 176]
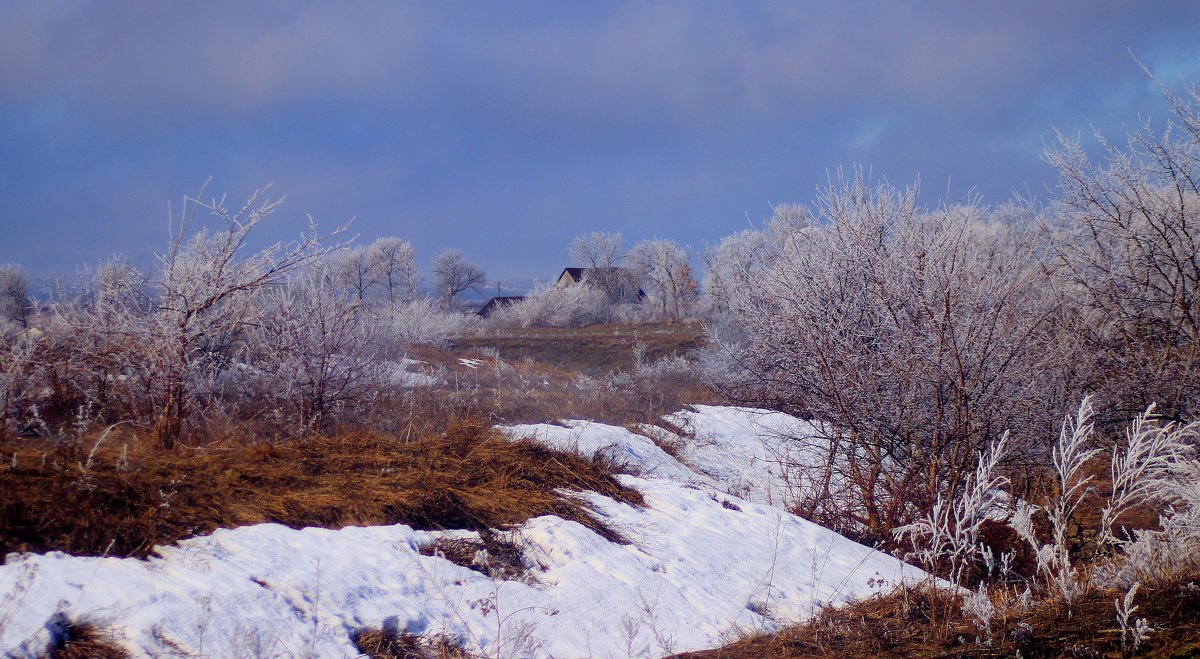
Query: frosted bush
[421, 322]
[948, 536]
[669, 367]
[577, 305]
[316, 352]
[1155, 464]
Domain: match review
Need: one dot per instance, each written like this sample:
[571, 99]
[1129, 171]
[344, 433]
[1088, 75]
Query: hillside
[695, 560]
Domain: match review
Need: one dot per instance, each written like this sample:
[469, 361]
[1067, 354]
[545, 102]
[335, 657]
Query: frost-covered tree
[597, 249]
[14, 296]
[601, 252]
[454, 274]
[395, 268]
[908, 338]
[202, 292]
[730, 265]
[663, 267]
[355, 270]
[201, 298]
[1129, 249]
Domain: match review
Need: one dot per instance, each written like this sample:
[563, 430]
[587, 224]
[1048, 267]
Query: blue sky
[504, 129]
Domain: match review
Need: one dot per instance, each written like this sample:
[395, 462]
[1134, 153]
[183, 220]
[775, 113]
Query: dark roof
[499, 302]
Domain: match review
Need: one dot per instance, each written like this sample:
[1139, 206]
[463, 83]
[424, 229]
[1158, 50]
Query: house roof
[577, 274]
[499, 302]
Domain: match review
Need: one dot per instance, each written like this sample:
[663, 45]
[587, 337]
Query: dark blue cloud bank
[506, 129]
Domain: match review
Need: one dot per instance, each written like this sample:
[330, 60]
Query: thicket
[285, 338]
[919, 336]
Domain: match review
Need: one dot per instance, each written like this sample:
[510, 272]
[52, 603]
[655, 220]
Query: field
[594, 350]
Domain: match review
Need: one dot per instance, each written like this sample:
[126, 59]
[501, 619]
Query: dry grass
[385, 644]
[491, 554]
[83, 641]
[928, 623]
[593, 350]
[425, 456]
[524, 391]
[467, 477]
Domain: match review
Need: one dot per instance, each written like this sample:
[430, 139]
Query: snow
[754, 453]
[702, 566]
[636, 452]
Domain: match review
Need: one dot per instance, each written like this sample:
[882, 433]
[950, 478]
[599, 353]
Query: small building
[498, 302]
[621, 284]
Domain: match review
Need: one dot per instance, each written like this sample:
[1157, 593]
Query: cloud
[152, 58]
[509, 127]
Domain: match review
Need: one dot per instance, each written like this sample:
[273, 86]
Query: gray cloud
[506, 128]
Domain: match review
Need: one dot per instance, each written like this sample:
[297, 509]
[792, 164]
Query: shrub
[911, 336]
[419, 322]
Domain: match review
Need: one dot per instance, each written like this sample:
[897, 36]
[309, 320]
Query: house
[498, 302]
[621, 284]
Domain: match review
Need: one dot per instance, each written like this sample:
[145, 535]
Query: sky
[505, 129]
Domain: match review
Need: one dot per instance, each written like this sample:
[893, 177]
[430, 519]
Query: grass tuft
[491, 554]
[386, 644]
[84, 641]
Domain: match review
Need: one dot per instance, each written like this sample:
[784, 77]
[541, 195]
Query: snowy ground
[704, 566]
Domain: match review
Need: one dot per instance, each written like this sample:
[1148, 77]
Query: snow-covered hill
[712, 555]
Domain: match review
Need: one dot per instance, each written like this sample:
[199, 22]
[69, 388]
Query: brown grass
[467, 477]
[928, 623]
[84, 641]
[592, 350]
[491, 554]
[505, 390]
[385, 644]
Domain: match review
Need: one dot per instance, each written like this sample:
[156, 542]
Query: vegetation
[126, 496]
[934, 345]
[925, 622]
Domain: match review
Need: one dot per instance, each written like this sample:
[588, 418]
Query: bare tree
[597, 249]
[14, 295]
[455, 274]
[355, 271]
[1129, 249]
[663, 265]
[395, 268]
